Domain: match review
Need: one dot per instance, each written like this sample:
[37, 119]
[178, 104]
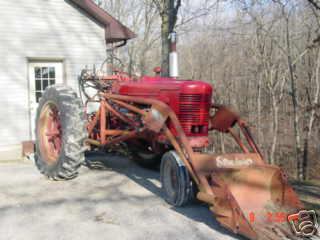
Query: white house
[43, 42]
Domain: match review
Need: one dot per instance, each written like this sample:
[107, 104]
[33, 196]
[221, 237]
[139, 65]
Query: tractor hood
[161, 86]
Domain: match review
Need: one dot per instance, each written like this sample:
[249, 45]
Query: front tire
[176, 183]
[60, 133]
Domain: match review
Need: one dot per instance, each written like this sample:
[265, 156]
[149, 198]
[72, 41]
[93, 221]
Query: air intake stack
[173, 57]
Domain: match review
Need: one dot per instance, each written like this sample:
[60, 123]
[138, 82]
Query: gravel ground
[118, 201]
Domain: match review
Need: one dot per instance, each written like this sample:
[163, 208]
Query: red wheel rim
[50, 133]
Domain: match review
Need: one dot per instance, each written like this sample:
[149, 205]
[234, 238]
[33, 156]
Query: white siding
[40, 29]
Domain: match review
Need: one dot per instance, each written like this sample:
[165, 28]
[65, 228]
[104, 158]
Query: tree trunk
[259, 109]
[165, 45]
[275, 129]
[169, 15]
[294, 99]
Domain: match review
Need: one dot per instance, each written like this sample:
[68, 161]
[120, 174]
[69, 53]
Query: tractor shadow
[150, 180]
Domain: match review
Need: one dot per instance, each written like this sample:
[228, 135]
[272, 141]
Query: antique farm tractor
[167, 121]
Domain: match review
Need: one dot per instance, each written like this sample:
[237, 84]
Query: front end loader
[166, 121]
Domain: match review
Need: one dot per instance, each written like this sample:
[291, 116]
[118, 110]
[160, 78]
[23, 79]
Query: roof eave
[115, 31]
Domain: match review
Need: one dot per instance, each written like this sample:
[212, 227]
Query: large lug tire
[177, 185]
[60, 133]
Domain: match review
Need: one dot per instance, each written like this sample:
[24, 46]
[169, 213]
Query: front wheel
[177, 185]
[60, 133]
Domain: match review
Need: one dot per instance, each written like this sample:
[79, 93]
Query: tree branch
[314, 3]
[178, 5]
[158, 6]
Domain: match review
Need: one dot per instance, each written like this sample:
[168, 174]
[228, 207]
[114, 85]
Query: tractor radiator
[194, 113]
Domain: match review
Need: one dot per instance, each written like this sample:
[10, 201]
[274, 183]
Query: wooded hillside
[262, 57]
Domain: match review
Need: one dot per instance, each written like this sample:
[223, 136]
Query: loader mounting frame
[218, 177]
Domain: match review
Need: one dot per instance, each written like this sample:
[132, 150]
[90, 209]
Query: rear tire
[60, 133]
[177, 185]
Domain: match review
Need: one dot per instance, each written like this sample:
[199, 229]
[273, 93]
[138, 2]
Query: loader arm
[241, 189]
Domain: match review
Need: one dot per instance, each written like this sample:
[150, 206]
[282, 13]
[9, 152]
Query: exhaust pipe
[173, 56]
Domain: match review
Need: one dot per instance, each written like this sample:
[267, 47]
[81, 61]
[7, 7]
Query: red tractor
[166, 121]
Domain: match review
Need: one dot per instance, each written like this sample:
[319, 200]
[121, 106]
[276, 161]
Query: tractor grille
[193, 110]
[190, 107]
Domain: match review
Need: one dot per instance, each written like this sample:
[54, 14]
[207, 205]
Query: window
[41, 75]
[44, 77]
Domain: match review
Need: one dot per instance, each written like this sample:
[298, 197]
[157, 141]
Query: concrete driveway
[119, 201]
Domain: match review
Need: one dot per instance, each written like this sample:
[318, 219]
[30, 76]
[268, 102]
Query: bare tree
[261, 56]
[168, 10]
[142, 17]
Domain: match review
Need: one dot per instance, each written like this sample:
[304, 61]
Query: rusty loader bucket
[246, 197]
[245, 194]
